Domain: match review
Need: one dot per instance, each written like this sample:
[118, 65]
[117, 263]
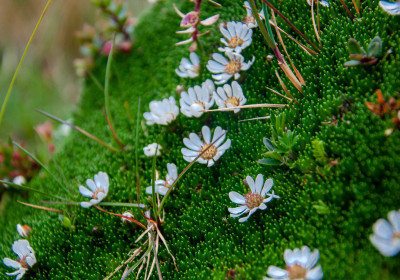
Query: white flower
[227, 68]
[254, 200]
[386, 237]
[26, 258]
[162, 112]
[189, 68]
[126, 214]
[196, 146]
[150, 150]
[238, 37]
[249, 19]
[392, 8]
[230, 96]
[162, 186]
[322, 2]
[197, 99]
[299, 265]
[19, 180]
[98, 189]
[23, 230]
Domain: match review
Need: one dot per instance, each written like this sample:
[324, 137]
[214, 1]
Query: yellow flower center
[210, 153]
[233, 67]
[235, 41]
[232, 100]
[200, 103]
[253, 200]
[23, 262]
[296, 272]
[249, 19]
[96, 192]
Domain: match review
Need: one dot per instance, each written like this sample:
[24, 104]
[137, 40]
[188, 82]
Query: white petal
[191, 145]
[172, 171]
[238, 210]
[189, 153]
[220, 58]
[242, 220]
[277, 272]
[392, 8]
[194, 58]
[85, 192]
[11, 263]
[196, 140]
[394, 218]
[259, 183]
[206, 134]
[86, 204]
[262, 206]
[267, 187]
[383, 229]
[237, 198]
[92, 186]
[315, 273]
[312, 259]
[251, 183]
[384, 246]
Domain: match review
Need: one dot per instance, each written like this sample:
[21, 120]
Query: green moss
[207, 243]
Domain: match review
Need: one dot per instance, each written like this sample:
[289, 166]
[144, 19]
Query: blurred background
[47, 79]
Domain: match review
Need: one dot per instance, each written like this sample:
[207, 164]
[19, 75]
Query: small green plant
[358, 55]
[281, 145]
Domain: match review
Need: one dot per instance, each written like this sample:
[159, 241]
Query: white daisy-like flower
[24, 230]
[196, 146]
[392, 8]
[300, 265]
[98, 189]
[197, 99]
[249, 19]
[26, 258]
[386, 237]
[126, 214]
[225, 68]
[162, 112]
[237, 37]
[162, 186]
[150, 150]
[230, 96]
[322, 2]
[255, 199]
[189, 68]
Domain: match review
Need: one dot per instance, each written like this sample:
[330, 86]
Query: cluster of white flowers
[26, 258]
[150, 150]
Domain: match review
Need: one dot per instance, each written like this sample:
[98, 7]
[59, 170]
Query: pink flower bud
[125, 46]
[106, 48]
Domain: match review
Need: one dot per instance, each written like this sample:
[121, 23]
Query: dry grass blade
[314, 25]
[300, 78]
[347, 10]
[305, 48]
[42, 208]
[276, 92]
[122, 216]
[254, 119]
[284, 87]
[356, 6]
[166, 246]
[247, 107]
[130, 259]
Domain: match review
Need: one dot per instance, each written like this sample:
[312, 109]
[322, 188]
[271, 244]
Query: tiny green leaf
[354, 46]
[352, 63]
[374, 48]
[268, 144]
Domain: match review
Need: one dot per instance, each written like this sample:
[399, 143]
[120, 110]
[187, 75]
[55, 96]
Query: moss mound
[350, 196]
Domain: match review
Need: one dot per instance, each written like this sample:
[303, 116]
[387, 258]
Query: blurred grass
[47, 78]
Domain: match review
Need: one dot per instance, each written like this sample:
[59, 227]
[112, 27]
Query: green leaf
[318, 150]
[268, 144]
[269, 161]
[352, 63]
[374, 48]
[274, 155]
[354, 46]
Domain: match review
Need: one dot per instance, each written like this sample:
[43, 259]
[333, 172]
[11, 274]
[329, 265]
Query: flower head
[237, 37]
[322, 2]
[98, 189]
[162, 112]
[386, 237]
[189, 68]
[299, 265]
[196, 146]
[19, 180]
[227, 68]
[197, 99]
[254, 200]
[24, 230]
[249, 19]
[26, 258]
[162, 186]
[150, 150]
[392, 8]
[230, 96]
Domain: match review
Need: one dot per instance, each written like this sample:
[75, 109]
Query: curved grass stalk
[26, 188]
[42, 208]
[3, 107]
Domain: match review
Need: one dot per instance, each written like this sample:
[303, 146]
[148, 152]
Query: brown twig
[122, 216]
[347, 10]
